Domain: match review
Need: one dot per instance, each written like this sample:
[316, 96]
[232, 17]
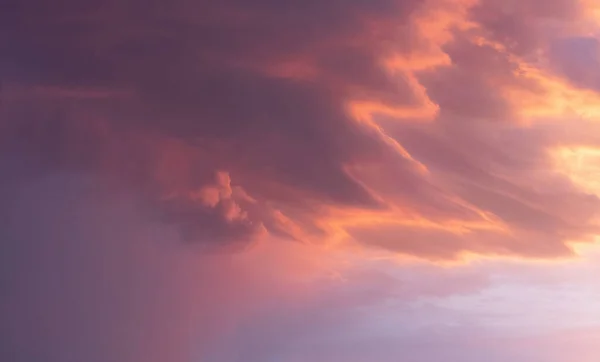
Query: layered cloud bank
[244, 177]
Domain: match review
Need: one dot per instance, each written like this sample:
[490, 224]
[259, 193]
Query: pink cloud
[223, 182]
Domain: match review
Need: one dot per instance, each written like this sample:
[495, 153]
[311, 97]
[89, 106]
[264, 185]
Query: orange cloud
[418, 127]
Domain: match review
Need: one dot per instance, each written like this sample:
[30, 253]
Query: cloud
[316, 122]
[288, 180]
[98, 279]
[578, 59]
[524, 26]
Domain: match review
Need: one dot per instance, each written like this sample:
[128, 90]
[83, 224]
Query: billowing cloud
[316, 180]
[416, 126]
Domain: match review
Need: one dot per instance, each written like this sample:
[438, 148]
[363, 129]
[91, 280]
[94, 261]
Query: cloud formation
[75, 289]
[271, 180]
[425, 128]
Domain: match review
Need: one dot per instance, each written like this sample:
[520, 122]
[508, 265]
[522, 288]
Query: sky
[294, 181]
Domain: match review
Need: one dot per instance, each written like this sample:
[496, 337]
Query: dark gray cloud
[199, 74]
